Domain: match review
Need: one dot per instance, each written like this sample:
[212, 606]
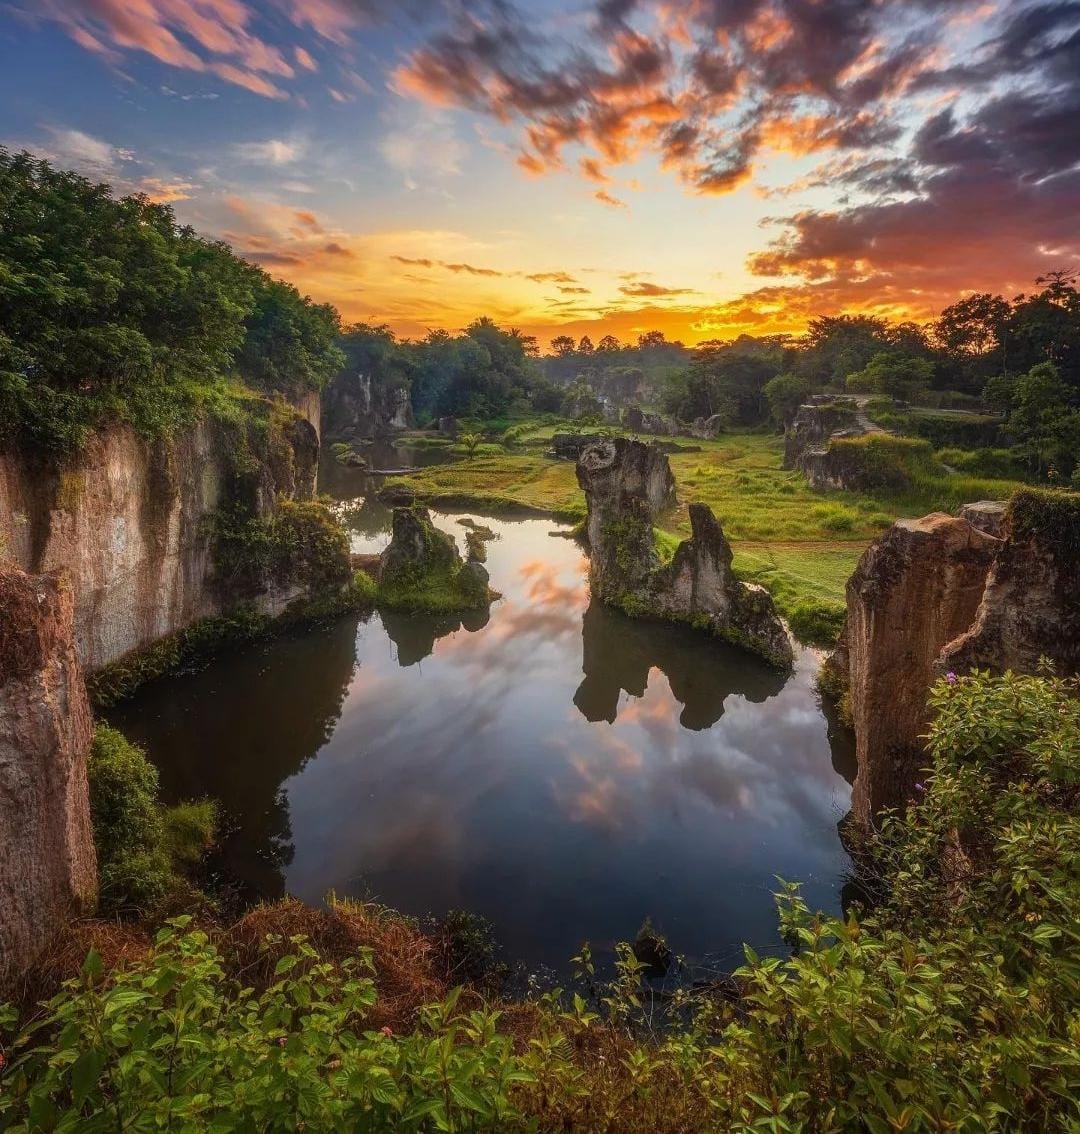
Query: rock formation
[422, 568]
[127, 523]
[811, 429]
[359, 407]
[627, 484]
[641, 421]
[914, 590]
[47, 862]
[986, 515]
[1030, 608]
[707, 428]
[946, 594]
[568, 446]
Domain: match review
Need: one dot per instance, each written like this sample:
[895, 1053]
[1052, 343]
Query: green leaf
[85, 1073]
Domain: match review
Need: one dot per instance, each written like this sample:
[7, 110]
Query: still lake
[554, 766]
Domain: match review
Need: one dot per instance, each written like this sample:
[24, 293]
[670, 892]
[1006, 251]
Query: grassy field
[800, 543]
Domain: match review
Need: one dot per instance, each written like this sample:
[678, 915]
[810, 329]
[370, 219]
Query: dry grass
[410, 967]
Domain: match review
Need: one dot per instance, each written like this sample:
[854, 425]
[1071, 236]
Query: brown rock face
[626, 483]
[48, 870]
[811, 429]
[127, 524]
[915, 589]
[1031, 605]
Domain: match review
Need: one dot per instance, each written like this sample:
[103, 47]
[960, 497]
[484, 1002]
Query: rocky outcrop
[707, 428]
[986, 515]
[642, 421]
[811, 429]
[1030, 608]
[947, 594]
[356, 406]
[421, 568]
[127, 521]
[569, 446]
[47, 862]
[627, 484]
[914, 590]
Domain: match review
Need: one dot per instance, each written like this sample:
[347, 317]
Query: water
[557, 767]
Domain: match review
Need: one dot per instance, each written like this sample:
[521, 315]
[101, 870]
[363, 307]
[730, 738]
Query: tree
[1045, 327]
[785, 393]
[893, 373]
[585, 346]
[836, 346]
[609, 344]
[1043, 422]
[562, 345]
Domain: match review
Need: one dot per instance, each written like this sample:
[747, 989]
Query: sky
[703, 167]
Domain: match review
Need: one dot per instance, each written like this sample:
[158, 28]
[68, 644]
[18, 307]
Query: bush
[952, 1006]
[817, 623]
[140, 845]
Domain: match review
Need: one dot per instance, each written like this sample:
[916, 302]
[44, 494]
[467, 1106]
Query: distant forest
[110, 309]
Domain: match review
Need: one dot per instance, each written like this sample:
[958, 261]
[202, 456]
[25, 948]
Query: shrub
[140, 845]
[951, 1006]
[817, 622]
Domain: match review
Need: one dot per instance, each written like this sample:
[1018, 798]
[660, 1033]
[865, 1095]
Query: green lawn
[799, 543]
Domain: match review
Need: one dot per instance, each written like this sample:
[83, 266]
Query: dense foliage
[955, 1005]
[142, 847]
[110, 310]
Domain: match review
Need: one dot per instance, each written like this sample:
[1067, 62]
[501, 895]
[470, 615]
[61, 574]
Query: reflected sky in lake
[559, 768]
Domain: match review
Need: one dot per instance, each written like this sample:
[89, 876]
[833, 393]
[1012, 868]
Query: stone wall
[47, 863]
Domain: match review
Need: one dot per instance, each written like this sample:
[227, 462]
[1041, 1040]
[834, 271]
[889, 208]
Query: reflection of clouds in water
[549, 611]
[753, 767]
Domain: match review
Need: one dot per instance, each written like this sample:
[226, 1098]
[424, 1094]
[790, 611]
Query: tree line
[110, 309]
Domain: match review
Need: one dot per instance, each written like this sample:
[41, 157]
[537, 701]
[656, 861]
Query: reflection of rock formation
[626, 483]
[47, 862]
[295, 688]
[940, 594]
[618, 654]
[415, 633]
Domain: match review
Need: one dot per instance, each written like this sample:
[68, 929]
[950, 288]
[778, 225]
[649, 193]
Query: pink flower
[387, 1031]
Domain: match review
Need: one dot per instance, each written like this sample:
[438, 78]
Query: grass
[800, 543]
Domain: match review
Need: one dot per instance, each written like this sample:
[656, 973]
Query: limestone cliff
[627, 484]
[1030, 608]
[127, 520]
[914, 590]
[47, 862]
[811, 429]
[357, 406]
[997, 588]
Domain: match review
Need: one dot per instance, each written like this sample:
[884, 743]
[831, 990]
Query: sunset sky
[705, 167]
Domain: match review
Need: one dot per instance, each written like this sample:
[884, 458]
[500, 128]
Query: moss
[877, 462]
[1050, 516]
[299, 544]
[665, 544]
